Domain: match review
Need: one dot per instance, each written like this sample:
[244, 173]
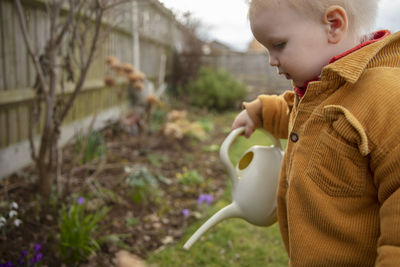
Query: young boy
[338, 195]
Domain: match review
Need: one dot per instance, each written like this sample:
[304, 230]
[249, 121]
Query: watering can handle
[224, 150]
[224, 153]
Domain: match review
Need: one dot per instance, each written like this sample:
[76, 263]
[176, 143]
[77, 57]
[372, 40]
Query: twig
[21, 19]
[99, 169]
[84, 68]
[103, 167]
[30, 133]
[66, 25]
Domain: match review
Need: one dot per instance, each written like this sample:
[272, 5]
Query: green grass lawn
[233, 242]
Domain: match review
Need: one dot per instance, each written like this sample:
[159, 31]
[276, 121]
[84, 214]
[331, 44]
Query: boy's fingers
[235, 125]
[248, 131]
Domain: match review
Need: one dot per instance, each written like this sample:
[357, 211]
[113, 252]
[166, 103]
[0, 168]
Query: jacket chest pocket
[337, 167]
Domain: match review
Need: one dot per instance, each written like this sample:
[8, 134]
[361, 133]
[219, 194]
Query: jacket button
[294, 137]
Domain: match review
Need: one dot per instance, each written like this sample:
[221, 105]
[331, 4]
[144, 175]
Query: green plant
[206, 124]
[196, 131]
[79, 231]
[106, 195]
[156, 159]
[91, 146]
[132, 221]
[143, 184]
[158, 118]
[215, 89]
[211, 148]
[189, 177]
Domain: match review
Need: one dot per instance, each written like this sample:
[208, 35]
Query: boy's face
[297, 44]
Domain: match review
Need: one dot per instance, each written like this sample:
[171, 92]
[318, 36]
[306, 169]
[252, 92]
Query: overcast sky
[226, 20]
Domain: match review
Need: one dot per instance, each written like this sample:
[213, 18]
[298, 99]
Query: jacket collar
[377, 36]
[351, 64]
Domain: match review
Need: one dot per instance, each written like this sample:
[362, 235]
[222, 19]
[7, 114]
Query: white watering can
[254, 185]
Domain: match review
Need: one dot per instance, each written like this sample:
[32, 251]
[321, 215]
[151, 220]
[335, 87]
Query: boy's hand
[243, 119]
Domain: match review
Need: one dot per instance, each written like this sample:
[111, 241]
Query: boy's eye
[279, 45]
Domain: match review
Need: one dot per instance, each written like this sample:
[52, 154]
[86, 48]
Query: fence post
[135, 35]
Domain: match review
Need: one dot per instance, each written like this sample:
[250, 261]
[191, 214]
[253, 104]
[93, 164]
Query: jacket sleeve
[387, 180]
[380, 92]
[271, 112]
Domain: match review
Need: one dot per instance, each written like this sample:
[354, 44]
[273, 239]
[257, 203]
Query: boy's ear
[335, 18]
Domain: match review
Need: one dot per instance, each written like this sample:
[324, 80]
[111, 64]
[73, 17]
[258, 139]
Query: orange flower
[133, 77]
[152, 100]
[109, 81]
[128, 68]
[136, 76]
[137, 85]
[141, 75]
[173, 130]
[175, 115]
[110, 60]
[118, 68]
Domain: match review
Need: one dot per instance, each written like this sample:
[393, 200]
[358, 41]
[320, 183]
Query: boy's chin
[298, 84]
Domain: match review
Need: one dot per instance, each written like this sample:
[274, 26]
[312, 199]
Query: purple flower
[35, 259]
[185, 213]
[81, 200]
[205, 198]
[21, 261]
[209, 199]
[38, 257]
[37, 247]
[7, 264]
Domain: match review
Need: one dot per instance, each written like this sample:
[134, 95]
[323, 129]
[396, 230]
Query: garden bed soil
[140, 228]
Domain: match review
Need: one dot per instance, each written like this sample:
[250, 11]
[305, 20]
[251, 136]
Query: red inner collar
[379, 35]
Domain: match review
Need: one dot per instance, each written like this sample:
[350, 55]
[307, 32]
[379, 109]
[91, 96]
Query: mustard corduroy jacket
[339, 189]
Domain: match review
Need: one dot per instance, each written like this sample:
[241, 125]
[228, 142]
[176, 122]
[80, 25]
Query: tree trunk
[46, 163]
[45, 178]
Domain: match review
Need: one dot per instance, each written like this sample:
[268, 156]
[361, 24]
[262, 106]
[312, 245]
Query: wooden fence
[251, 68]
[159, 34]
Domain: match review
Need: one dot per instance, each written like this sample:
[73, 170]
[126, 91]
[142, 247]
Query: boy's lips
[285, 74]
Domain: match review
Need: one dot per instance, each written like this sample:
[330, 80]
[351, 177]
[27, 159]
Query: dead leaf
[157, 225]
[153, 218]
[167, 240]
[126, 259]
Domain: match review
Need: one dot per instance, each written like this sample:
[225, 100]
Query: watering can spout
[230, 211]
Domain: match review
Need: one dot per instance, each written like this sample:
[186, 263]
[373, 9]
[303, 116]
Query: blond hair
[361, 13]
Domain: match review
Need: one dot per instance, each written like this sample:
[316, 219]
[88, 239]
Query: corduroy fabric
[338, 195]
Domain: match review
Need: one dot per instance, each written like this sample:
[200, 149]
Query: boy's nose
[273, 61]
